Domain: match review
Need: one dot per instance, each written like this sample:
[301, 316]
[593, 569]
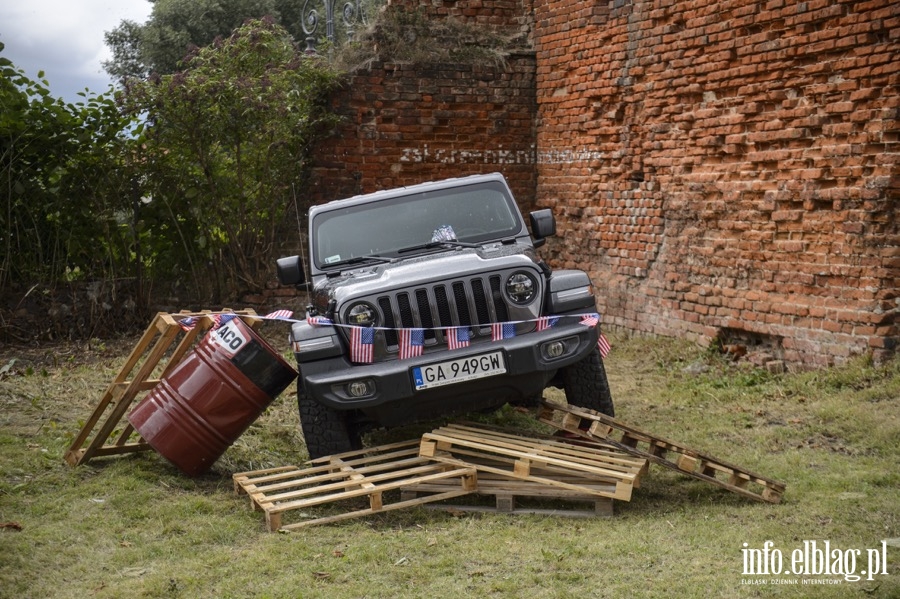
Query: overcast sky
[64, 38]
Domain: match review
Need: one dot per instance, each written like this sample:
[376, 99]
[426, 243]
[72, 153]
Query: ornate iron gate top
[353, 13]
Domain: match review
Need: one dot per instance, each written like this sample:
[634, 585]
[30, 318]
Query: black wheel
[326, 431]
[586, 386]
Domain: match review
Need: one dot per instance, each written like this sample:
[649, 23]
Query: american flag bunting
[502, 330]
[316, 321]
[412, 342]
[546, 322]
[362, 343]
[457, 337]
[279, 314]
[220, 319]
[590, 320]
[603, 345]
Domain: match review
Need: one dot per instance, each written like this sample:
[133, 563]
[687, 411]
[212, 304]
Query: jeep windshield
[419, 222]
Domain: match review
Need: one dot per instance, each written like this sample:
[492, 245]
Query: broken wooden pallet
[554, 463]
[368, 473]
[593, 425]
[156, 353]
[515, 496]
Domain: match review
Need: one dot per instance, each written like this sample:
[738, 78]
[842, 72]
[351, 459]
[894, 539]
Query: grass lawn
[134, 526]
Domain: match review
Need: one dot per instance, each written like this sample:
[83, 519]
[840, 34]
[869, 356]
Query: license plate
[457, 371]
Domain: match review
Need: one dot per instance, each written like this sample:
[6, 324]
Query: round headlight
[520, 287]
[362, 315]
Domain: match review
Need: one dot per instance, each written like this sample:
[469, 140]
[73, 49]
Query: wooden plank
[299, 492]
[115, 402]
[368, 473]
[75, 454]
[552, 463]
[596, 455]
[515, 496]
[359, 456]
[108, 450]
[612, 455]
[497, 484]
[273, 519]
[581, 421]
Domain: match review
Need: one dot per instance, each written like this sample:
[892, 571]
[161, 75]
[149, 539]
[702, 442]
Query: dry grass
[136, 527]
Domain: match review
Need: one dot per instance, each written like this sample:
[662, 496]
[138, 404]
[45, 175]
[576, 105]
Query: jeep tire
[326, 431]
[586, 385]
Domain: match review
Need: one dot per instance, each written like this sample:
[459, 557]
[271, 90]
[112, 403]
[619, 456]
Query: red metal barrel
[210, 398]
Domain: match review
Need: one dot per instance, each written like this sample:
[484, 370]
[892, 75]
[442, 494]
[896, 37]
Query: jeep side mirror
[290, 271]
[543, 225]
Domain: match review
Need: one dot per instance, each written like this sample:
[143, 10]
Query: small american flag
[279, 315]
[457, 337]
[590, 320]
[188, 323]
[546, 322]
[316, 321]
[412, 342]
[603, 345]
[220, 319]
[362, 343]
[502, 330]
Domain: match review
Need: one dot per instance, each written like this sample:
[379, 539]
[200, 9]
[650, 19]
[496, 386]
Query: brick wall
[405, 124]
[727, 168]
[722, 169]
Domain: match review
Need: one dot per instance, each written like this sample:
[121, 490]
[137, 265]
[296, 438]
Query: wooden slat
[510, 493]
[553, 463]
[587, 454]
[368, 473]
[590, 424]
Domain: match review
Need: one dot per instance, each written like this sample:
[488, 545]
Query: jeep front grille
[475, 302]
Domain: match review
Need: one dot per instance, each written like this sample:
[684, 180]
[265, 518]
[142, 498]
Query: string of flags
[411, 340]
[221, 318]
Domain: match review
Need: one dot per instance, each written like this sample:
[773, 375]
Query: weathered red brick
[732, 157]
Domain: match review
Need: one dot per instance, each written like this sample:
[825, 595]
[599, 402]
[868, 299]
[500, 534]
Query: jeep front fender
[311, 343]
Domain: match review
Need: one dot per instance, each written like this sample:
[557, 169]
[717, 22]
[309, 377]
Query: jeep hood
[421, 270]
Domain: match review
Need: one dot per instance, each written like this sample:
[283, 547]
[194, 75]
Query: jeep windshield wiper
[357, 260]
[437, 244]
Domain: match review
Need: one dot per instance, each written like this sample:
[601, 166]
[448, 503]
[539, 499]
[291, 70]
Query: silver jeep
[430, 300]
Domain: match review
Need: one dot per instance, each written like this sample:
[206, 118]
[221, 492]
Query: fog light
[555, 349]
[359, 389]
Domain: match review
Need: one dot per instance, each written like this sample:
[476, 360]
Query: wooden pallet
[158, 351]
[368, 473]
[553, 463]
[514, 496]
[589, 424]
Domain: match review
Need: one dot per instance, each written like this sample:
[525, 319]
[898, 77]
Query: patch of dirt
[828, 442]
[53, 384]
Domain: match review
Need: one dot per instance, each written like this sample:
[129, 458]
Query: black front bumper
[395, 399]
